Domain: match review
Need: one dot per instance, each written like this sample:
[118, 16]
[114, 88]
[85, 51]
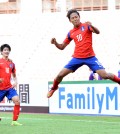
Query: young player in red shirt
[83, 52]
[7, 69]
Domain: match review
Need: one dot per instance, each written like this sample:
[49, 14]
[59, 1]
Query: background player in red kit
[83, 52]
[7, 70]
[92, 75]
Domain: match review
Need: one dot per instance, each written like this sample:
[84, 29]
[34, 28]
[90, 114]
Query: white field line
[65, 120]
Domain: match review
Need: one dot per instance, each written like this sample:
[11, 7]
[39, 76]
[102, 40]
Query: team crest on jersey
[82, 28]
[11, 65]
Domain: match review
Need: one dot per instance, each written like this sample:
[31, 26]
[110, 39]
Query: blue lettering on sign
[100, 101]
[80, 100]
[113, 95]
[61, 97]
[88, 100]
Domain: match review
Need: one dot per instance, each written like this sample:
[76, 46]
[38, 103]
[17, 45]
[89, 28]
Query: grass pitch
[60, 124]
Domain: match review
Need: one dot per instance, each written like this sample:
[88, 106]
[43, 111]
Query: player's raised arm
[93, 28]
[58, 45]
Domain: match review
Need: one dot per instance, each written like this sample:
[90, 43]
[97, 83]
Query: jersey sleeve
[89, 28]
[68, 39]
[13, 69]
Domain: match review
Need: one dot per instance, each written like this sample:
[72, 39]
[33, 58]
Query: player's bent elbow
[97, 32]
[62, 48]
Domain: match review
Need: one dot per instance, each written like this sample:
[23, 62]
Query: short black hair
[5, 45]
[72, 11]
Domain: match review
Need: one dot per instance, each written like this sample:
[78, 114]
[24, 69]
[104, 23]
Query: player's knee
[104, 77]
[60, 76]
[17, 102]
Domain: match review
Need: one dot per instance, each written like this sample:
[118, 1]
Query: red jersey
[7, 67]
[82, 37]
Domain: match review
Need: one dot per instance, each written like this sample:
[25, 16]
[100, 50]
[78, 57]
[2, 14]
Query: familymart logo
[90, 99]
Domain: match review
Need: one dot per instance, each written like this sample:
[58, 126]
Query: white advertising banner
[31, 93]
[95, 98]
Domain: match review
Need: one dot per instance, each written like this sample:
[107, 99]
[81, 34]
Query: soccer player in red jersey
[83, 52]
[8, 70]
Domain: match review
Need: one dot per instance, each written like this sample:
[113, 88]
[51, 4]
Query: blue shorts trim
[9, 93]
[91, 62]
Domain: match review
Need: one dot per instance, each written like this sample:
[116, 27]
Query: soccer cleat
[50, 93]
[15, 123]
[0, 119]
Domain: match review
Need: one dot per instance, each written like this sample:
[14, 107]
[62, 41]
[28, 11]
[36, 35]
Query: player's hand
[1, 80]
[88, 23]
[53, 41]
[14, 85]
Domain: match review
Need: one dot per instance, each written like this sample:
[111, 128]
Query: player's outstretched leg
[50, 93]
[53, 89]
[116, 79]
